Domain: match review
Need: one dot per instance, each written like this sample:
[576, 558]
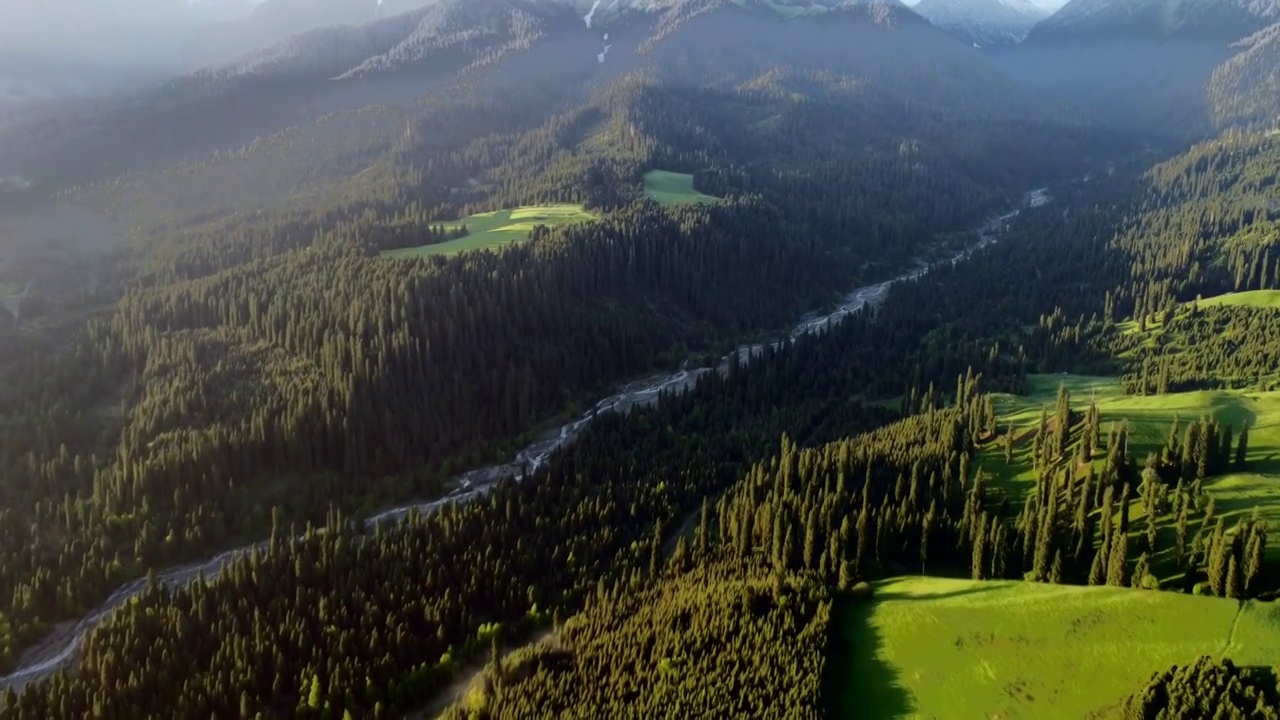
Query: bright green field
[939, 648]
[498, 228]
[1149, 418]
[668, 188]
[1252, 298]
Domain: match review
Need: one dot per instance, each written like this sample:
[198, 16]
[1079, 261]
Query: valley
[60, 648]
[498, 358]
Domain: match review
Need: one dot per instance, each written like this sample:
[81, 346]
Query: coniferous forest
[249, 369]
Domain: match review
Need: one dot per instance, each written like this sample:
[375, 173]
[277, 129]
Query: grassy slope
[1252, 298]
[931, 647]
[668, 188]
[498, 228]
[1149, 420]
[1259, 299]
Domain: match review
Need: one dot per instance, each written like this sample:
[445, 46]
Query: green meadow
[496, 229]
[940, 648]
[1150, 418]
[1252, 298]
[668, 188]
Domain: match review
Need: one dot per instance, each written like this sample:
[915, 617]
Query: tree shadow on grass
[858, 683]
[1269, 465]
[900, 596]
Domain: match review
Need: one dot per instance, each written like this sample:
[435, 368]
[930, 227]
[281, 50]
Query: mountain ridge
[399, 59]
[983, 22]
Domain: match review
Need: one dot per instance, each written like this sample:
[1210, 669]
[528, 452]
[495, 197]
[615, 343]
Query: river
[59, 649]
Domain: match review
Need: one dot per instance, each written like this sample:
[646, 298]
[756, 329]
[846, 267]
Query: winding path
[60, 648]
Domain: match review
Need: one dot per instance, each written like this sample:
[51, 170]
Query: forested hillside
[276, 352]
[250, 360]
[1169, 70]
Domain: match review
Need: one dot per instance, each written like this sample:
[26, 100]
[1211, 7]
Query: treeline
[1207, 688]
[268, 359]
[601, 503]
[722, 640]
[334, 371]
[1200, 348]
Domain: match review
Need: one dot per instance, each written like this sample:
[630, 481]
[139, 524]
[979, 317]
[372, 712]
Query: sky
[122, 30]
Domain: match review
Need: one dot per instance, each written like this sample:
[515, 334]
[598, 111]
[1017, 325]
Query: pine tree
[1124, 509]
[1182, 534]
[1218, 560]
[655, 552]
[978, 566]
[1235, 586]
[926, 529]
[812, 540]
[863, 551]
[1055, 575]
[315, 695]
[1098, 569]
[847, 576]
[999, 551]
[702, 538]
[1242, 449]
[1141, 570]
[1117, 571]
[1255, 557]
[680, 561]
[1190, 452]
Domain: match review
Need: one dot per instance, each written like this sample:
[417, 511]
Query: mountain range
[336, 261]
[494, 48]
[1145, 65]
[985, 23]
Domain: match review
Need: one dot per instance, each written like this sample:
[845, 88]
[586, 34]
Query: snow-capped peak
[983, 22]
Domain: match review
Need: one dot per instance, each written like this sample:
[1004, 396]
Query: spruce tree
[1235, 585]
[1181, 529]
[702, 538]
[1098, 569]
[1255, 558]
[1242, 448]
[1218, 559]
[1117, 571]
[978, 566]
[1141, 570]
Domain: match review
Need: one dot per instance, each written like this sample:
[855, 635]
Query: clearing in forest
[668, 188]
[495, 229]
[1150, 418]
[932, 647]
[1252, 298]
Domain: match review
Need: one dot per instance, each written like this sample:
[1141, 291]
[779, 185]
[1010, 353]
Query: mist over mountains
[1143, 66]
[984, 22]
